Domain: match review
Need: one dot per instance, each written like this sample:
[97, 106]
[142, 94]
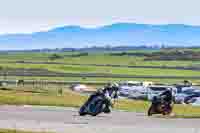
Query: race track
[66, 120]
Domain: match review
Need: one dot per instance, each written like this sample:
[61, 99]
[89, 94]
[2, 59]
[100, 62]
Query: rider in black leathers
[111, 89]
[162, 103]
[167, 97]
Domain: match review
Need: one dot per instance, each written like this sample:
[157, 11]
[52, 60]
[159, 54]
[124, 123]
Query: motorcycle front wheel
[82, 111]
[167, 111]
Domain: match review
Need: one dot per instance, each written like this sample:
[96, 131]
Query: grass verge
[16, 131]
[13, 97]
[71, 99]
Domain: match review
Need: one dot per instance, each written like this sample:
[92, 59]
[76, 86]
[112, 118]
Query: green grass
[107, 70]
[95, 58]
[72, 99]
[99, 58]
[16, 131]
[102, 80]
[24, 56]
[28, 98]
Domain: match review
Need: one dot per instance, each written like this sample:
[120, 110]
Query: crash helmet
[115, 85]
[112, 85]
[109, 84]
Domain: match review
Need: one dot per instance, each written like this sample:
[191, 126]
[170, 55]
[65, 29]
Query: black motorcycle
[159, 106]
[97, 104]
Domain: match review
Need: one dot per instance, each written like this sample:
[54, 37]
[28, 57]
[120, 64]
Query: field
[90, 63]
[100, 63]
[93, 58]
[107, 70]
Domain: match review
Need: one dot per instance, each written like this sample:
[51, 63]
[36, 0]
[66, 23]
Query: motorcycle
[159, 106]
[96, 106]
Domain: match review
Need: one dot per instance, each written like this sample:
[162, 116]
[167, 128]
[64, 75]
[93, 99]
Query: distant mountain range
[119, 34]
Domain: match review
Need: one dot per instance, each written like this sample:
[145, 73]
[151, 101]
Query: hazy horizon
[97, 26]
[26, 16]
[119, 34]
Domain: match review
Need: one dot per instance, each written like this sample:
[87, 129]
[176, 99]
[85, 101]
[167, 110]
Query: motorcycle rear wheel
[167, 112]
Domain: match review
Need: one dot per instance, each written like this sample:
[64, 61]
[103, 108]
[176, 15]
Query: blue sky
[26, 16]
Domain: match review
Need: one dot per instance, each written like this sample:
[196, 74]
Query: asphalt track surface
[66, 120]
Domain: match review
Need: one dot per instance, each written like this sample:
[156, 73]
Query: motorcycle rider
[167, 98]
[110, 91]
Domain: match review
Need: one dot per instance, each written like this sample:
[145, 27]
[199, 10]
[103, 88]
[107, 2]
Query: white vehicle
[147, 83]
[157, 90]
[134, 89]
[78, 87]
[129, 86]
[187, 88]
[187, 93]
[82, 88]
[179, 98]
[195, 101]
[139, 92]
